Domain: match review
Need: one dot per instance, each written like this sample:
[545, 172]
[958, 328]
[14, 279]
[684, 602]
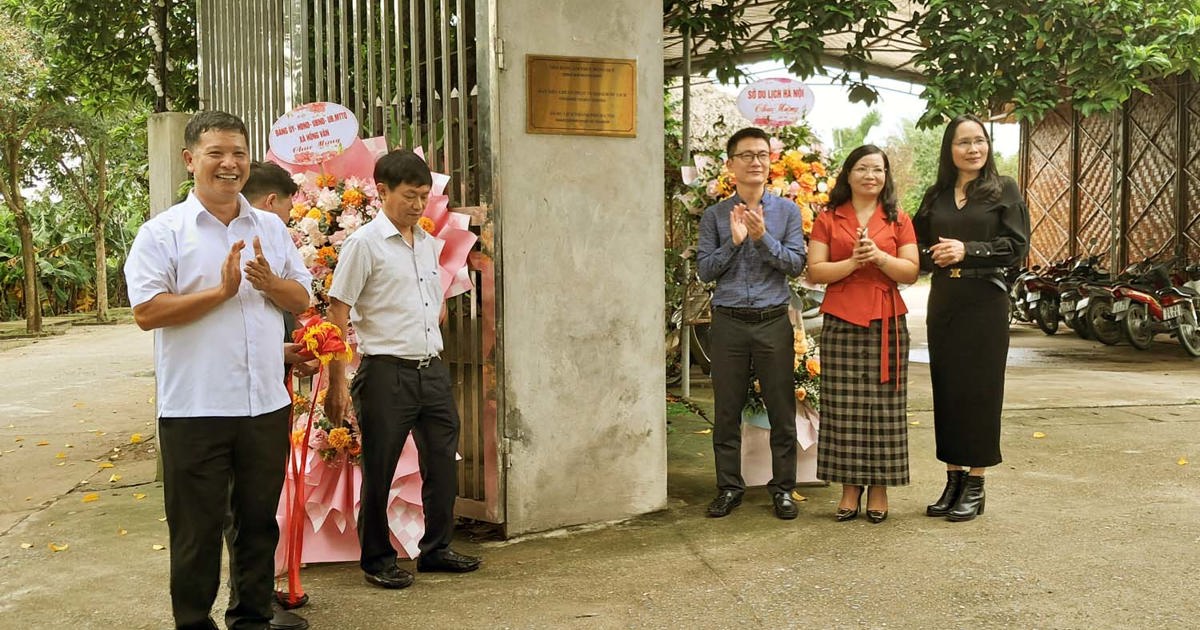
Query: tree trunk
[99, 219]
[33, 303]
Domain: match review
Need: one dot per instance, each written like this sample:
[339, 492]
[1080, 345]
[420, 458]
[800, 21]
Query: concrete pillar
[167, 171]
[581, 240]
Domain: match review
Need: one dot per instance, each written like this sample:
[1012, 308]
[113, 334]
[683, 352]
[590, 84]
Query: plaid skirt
[864, 424]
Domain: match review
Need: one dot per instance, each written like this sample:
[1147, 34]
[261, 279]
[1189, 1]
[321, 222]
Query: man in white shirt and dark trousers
[211, 276]
[387, 272]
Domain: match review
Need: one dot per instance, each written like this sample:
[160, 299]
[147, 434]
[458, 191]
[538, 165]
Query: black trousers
[211, 466]
[736, 345]
[391, 400]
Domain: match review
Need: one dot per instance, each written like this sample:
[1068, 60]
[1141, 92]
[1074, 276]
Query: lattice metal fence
[408, 70]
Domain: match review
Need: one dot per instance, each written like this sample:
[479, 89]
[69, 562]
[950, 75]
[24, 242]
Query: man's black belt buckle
[970, 272]
[416, 364]
[754, 315]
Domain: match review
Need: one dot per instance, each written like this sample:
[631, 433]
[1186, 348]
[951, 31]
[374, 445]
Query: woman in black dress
[971, 224]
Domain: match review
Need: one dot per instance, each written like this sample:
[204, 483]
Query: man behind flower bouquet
[222, 405]
[749, 244]
[388, 273]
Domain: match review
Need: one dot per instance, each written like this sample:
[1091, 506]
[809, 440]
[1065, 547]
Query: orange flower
[339, 438]
[777, 170]
[327, 256]
[352, 197]
[355, 448]
[813, 366]
[299, 211]
[818, 169]
[297, 438]
[313, 213]
[326, 180]
[801, 393]
[426, 224]
[328, 281]
[321, 340]
[806, 224]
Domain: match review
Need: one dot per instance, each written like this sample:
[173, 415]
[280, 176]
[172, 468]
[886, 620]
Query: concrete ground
[1093, 520]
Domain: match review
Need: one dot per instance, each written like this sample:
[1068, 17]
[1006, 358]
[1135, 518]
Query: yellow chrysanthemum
[327, 256]
[326, 180]
[339, 438]
[297, 438]
[314, 213]
[328, 281]
[299, 211]
[426, 224]
[353, 197]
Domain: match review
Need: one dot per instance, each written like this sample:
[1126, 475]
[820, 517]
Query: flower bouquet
[806, 376]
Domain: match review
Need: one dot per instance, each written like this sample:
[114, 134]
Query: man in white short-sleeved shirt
[211, 276]
[388, 273]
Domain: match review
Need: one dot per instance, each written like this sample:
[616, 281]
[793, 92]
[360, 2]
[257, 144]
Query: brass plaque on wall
[581, 96]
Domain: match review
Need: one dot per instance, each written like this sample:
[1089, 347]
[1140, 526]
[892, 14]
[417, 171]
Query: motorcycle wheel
[1189, 333]
[1104, 329]
[1080, 325]
[1138, 327]
[1046, 315]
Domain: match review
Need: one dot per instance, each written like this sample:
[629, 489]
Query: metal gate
[411, 71]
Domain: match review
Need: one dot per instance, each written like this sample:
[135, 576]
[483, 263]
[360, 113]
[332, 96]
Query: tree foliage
[846, 139]
[113, 51]
[1021, 57]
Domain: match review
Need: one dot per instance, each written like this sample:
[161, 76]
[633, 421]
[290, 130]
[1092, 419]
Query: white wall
[581, 237]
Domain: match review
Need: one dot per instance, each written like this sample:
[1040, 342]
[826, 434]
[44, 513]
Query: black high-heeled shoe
[876, 516]
[950, 494]
[846, 514]
[970, 502]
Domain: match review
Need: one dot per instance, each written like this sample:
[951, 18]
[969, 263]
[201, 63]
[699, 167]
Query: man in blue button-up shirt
[749, 244]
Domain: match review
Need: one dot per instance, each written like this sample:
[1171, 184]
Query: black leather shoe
[284, 620]
[391, 577]
[447, 561]
[785, 506]
[724, 503]
[970, 502]
[282, 601]
[954, 486]
[877, 516]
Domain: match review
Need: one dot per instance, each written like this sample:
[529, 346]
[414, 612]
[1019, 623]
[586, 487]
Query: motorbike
[1042, 294]
[1166, 304]
[1074, 297]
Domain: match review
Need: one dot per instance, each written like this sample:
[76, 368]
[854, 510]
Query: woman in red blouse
[862, 246]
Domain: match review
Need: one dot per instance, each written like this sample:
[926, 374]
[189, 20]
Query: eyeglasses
[863, 171]
[967, 144]
[747, 157]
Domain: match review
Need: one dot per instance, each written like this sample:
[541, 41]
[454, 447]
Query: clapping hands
[745, 222]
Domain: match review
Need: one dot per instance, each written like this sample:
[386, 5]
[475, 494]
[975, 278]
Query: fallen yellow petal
[121, 532]
[43, 443]
[157, 547]
[796, 496]
[114, 477]
[915, 423]
[57, 548]
[139, 496]
[106, 464]
[1039, 435]
[91, 496]
[60, 455]
[1182, 461]
[27, 545]
[136, 438]
[61, 464]
[162, 520]
[19, 439]
[703, 432]
[78, 405]
[68, 446]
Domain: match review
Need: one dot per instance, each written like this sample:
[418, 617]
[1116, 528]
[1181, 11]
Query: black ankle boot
[954, 485]
[970, 503]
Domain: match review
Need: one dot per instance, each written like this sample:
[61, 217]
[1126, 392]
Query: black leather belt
[416, 364]
[972, 272]
[753, 315]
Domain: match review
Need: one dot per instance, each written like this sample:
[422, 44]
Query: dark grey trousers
[391, 400]
[736, 346]
[212, 466]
